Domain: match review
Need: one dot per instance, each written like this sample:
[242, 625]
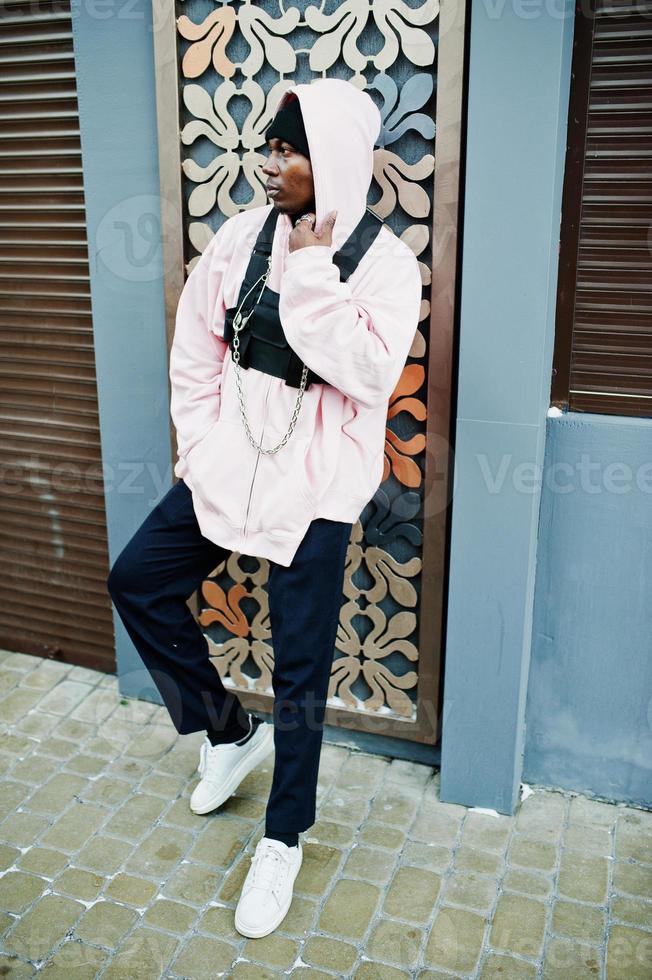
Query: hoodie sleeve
[198, 348]
[357, 341]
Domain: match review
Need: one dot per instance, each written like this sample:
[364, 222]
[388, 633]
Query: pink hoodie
[355, 335]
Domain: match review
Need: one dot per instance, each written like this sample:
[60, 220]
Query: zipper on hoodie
[286, 234]
[253, 478]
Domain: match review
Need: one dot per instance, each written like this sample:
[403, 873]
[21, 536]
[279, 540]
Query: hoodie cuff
[309, 254]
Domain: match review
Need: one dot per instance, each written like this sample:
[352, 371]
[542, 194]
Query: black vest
[263, 344]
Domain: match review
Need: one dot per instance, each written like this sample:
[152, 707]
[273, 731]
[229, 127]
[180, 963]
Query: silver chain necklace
[239, 322]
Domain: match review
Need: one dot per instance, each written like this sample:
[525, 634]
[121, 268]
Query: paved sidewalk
[107, 873]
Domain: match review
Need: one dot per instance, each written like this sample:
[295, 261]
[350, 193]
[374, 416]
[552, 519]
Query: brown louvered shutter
[53, 598]
[603, 347]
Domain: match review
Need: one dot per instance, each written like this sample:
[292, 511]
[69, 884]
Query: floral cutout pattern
[234, 66]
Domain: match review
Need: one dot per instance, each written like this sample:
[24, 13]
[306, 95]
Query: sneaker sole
[270, 927]
[260, 752]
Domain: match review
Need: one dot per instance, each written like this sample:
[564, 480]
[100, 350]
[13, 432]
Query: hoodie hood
[342, 125]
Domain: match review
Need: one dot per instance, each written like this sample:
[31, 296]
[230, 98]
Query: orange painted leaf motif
[409, 447]
[411, 379]
[211, 36]
[414, 406]
[224, 609]
[405, 470]
[397, 450]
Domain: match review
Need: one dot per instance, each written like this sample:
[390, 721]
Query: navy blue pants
[150, 582]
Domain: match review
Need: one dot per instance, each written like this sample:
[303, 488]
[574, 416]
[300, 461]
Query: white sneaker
[223, 767]
[267, 890]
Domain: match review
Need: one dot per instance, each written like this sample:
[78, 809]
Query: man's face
[289, 178]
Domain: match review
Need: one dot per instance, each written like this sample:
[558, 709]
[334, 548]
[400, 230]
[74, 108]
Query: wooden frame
[452, 61]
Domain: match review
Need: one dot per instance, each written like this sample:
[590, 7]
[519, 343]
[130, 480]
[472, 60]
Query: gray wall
[517, 115]
[589, 704]
[588, 707]
[117, 110]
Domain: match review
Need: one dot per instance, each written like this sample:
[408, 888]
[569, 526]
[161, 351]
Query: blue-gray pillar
[117, 110]
[517, 116]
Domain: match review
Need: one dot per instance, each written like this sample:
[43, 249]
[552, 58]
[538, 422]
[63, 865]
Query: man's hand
[302, 234]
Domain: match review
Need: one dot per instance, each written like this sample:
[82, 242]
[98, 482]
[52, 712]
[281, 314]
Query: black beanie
[287, 124]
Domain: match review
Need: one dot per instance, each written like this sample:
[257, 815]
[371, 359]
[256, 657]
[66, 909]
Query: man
[291, 334]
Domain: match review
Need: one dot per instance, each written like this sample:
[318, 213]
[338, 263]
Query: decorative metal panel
[233, 61]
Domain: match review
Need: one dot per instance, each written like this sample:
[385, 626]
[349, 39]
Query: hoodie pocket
[281, 501]
[221, 469]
